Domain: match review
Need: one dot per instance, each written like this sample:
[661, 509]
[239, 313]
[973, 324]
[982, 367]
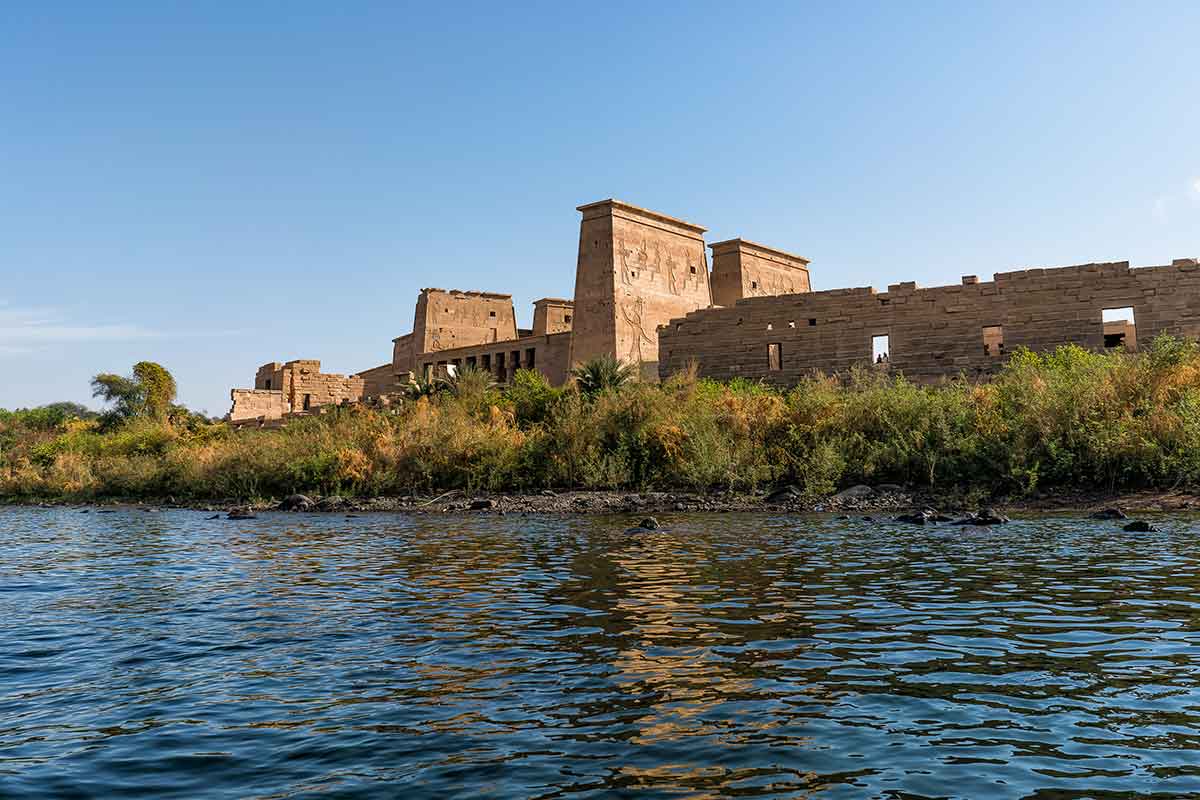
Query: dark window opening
[471, 361]
[491, 313]
[500, 365]
[753, 284]
[881, 348]
[529, 352]
[993, 340]
[693, 270]
[883, 301]
[486, 362]
[1120, 329]
[774, 356]
[566, 317]
[632, 274]
[268, 383]
[307, 402]
[812, 322]
[515, 361]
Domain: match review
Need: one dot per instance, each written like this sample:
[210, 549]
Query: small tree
[601, 374]
[148, 392]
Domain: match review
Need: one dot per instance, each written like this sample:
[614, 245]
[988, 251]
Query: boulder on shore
[297, 502]
[859, 492]
[783, 494]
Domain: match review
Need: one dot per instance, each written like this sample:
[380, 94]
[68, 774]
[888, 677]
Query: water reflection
[545, 657]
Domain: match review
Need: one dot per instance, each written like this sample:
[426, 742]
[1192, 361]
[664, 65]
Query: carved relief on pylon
[634, 312]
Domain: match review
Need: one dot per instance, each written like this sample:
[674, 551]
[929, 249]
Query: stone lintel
[468, 293]
[617, 208]
[720, 248]
[553, 301]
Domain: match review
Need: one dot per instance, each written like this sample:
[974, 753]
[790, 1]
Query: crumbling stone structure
[297, 386]
[644, 295]
[934, 333]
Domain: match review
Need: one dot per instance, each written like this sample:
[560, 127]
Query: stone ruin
[644, 294]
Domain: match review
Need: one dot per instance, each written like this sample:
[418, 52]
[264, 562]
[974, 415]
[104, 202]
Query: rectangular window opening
[307, 402]
[993, 340]
[566, 317]
[268, 383]
[529, 352]
[775, 356]
[881, 348]
[812, 322]
[486, 362]
[1120, 329]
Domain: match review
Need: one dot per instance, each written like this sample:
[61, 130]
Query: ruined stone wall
[932, 333]
[636, 270]
[257, 403]
[445, 319]
[548, 354]
[306, 387]
[552, 315]
[747, 269]
[269, 376]
[403, 357]
[381, 380]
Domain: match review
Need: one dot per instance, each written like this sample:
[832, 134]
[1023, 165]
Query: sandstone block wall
[746, 269]
[548, 354]
[302, 386]
[445, 319]
[381, 380]
[552, 315]
[257, 403]
[636, 270]
[936, 332]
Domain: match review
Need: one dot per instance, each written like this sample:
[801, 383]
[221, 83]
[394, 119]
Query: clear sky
[218, 185]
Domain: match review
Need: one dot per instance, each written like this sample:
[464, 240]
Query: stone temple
[644, 294]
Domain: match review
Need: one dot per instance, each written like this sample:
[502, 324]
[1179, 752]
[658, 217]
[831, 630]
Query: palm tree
[601, 374]
[469, 383]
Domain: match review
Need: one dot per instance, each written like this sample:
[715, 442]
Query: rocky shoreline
[885, 501]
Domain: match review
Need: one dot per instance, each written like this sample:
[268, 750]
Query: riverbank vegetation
[1067, 419]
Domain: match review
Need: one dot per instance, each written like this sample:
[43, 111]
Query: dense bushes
[1070, 418]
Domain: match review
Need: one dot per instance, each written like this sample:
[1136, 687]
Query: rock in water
[296, 502]
[1110, 513]
[983, 517]
[645, 526]
[241, 513]
[1139, 526]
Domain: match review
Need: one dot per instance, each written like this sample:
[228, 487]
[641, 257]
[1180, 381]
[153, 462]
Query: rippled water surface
[167, 655]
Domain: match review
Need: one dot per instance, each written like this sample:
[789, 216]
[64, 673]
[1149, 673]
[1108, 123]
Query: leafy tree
[157, 388]
[602, 374]
[148, 392]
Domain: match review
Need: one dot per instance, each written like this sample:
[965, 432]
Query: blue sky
[218, 185]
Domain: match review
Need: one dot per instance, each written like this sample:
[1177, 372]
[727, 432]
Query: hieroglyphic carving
[634, 311]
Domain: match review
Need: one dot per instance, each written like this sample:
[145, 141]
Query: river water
[168, 655]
